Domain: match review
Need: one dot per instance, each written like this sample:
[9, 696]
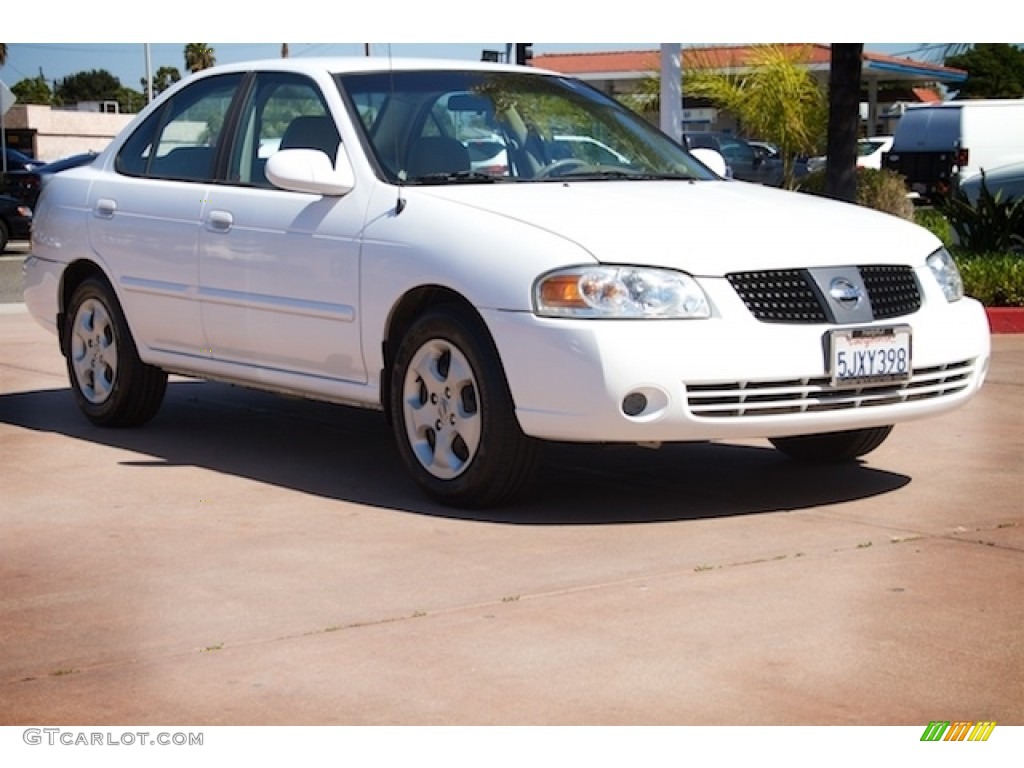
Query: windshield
[866, 147]
[439, 127]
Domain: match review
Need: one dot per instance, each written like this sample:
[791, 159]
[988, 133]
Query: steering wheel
[561, 168]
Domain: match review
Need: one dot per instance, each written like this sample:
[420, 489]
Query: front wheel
[832, 447]
[452, 413]
[112, 386]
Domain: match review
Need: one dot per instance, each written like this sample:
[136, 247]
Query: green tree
[994, 71]
[198, 56]
[776, 99]
[164, 78]
[33, 90]
[95, 85]
[130, 100]
[3, 54]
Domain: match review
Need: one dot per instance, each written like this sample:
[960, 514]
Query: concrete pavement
[246, 559]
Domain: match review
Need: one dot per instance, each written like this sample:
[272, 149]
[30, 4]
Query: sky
[78, 38]
[127, 61]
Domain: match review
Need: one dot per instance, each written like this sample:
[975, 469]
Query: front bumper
[724, 379]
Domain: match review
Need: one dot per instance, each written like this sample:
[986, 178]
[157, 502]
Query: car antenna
[400, 203]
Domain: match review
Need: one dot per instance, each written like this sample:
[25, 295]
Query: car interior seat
[432, 155]
[312, 132]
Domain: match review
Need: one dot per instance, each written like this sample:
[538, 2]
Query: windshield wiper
[456, 177]
[620, 175]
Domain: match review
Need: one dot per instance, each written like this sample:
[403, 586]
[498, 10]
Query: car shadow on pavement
[347, 454]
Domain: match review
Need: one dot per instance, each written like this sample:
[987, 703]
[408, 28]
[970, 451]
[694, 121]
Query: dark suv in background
[746, 161]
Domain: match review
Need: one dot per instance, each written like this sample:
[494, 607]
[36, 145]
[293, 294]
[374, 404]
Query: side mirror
[310, 170]
[713, 160]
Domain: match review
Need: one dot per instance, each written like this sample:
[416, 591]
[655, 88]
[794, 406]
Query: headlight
[945, 271]
[619, 292]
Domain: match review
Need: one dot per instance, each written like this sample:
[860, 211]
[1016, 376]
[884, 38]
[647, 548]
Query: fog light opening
[634, 404]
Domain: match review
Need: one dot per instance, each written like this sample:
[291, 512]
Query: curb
[1005, 319]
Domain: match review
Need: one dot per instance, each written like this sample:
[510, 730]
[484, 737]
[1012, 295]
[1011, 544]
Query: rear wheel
[112, 386]
[832, 447]
[452, 413]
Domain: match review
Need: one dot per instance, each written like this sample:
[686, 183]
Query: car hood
[708, 228]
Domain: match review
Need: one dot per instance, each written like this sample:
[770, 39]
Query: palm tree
[3, 54]
[198, 56]
[776, 99]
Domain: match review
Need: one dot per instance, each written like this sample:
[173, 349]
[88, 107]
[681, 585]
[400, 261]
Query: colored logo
[958, 730]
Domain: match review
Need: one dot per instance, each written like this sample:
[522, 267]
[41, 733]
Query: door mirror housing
[310, 170]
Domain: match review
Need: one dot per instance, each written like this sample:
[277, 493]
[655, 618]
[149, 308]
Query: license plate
[870, 356]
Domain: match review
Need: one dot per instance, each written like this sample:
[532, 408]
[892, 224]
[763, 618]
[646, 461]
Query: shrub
[936, 223]
[881, 189]
[994, 279]
[988, 225]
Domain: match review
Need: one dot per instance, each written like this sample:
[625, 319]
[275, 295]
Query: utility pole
[671, 113]
[149, 75]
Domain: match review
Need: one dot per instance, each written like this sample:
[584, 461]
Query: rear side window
[180, 140]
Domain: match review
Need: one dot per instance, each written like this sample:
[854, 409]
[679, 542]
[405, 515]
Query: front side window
[180, 140]
[284, 111]
[437, 127]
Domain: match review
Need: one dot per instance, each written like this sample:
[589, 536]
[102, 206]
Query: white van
[936, 146]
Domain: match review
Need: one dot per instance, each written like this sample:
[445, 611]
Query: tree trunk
[843, 121]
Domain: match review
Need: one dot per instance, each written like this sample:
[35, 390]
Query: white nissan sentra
[316, 228]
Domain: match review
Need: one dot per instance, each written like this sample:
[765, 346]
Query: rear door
[146, 213]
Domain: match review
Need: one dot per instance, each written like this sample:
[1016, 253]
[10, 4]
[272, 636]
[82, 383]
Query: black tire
[452, 413]
[4, 237]
[112, 386]
[832, 447]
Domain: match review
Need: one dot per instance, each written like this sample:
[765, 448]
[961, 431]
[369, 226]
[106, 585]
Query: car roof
[348, 64]
[999, 173]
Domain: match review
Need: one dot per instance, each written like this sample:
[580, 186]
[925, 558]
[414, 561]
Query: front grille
[791, 296]
[893, 291]
[810, 395]
[779, 296]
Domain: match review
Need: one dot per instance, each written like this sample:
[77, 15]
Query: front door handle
[219, 221]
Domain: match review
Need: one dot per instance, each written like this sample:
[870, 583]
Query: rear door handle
[105, 208]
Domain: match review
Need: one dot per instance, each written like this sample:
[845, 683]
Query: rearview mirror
[468, 102]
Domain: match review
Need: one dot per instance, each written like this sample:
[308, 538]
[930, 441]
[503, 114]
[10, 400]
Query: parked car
[935, 146]
[487, 155]
[869, 153]
[871, 150]
[365, 262]
[745, 161]
[585, 148]
[1007, 181]
[15, 221]
[19, 161]
[25, 184]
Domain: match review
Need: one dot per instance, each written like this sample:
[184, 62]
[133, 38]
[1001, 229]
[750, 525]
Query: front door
[279, 270]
